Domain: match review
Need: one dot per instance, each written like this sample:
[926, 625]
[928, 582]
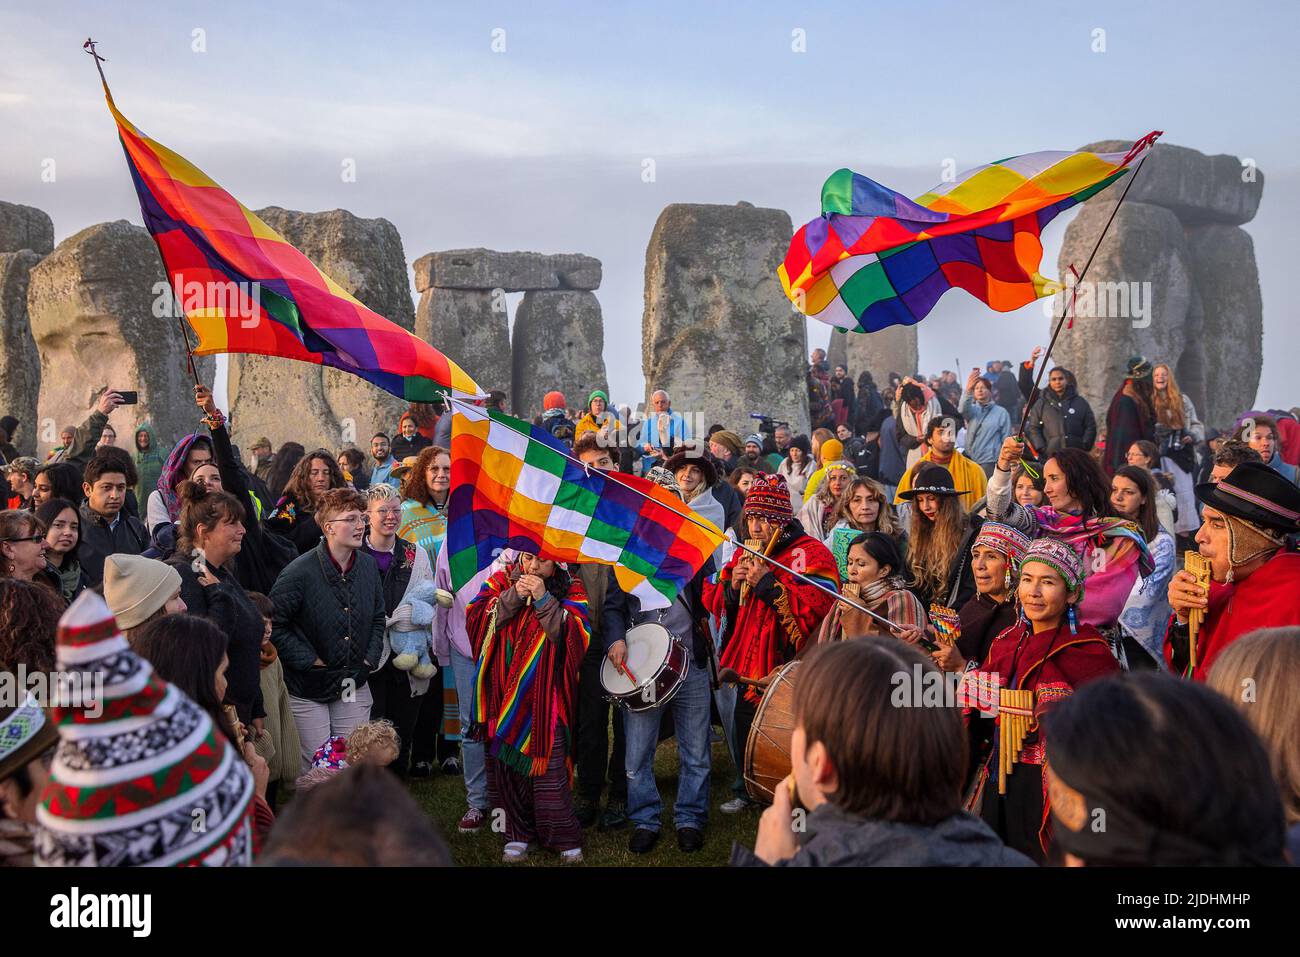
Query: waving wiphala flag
[875, 258]
[513, 486]
[244, 289]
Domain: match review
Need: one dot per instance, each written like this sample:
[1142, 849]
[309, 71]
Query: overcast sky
[542, 145]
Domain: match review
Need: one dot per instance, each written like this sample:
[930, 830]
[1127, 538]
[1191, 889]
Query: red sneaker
[472, 822]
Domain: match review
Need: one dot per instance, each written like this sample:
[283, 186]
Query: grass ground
[443, 798]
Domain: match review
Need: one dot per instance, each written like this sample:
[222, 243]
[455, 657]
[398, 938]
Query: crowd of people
[294, 614]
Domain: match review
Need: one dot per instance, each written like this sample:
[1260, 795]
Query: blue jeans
[690, 709]
[471, 752]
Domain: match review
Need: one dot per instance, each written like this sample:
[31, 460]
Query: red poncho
[774, 622]
[1268, 597]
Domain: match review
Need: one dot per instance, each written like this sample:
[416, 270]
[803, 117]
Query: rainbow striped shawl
[524, 686]
[1114, 555]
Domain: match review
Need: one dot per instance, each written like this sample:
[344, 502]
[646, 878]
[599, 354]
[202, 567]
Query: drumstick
[627, 671]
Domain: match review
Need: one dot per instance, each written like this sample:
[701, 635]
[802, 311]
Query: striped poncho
[525, 685]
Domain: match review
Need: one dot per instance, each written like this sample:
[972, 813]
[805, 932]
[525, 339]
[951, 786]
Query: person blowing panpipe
[1028, 668]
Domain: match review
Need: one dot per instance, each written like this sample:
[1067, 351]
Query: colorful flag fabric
[244, 289]
[514, 486]
[875, 258]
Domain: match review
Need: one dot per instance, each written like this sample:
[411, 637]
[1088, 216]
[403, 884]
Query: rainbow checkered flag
[514, 486]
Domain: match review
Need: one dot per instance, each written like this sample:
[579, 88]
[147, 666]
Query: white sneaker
[736, 805]
[572, 856]
[515, 852]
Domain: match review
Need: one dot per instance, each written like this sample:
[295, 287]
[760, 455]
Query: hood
[146, 426]
[172, 471]
[961, 840]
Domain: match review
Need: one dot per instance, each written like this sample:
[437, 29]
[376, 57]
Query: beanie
[139, 764]
[769, 497]
[832, 450]
[135, 587]
[553, 400]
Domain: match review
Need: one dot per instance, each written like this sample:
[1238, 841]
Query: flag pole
[89, 47]
[613, 477]
[1068, 308]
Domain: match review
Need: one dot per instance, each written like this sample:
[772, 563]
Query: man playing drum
[767, 614]
[686, 620]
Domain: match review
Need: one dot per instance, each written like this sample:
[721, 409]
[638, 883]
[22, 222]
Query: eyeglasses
[359, 520]
[29, 538]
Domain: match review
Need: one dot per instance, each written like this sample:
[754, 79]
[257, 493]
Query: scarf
[1110, 575]
[525, 684]
[173, 473]
[425, 525]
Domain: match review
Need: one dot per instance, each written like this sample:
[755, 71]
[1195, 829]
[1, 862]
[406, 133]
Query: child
[374, 742]
[279, 746]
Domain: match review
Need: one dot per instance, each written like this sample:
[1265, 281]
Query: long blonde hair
[1169, 402]
[1260, 674]
[886, 520]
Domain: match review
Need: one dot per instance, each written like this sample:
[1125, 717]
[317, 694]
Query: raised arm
[998, 499]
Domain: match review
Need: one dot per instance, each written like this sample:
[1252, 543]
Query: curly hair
[371, 737]
[299, 484]
[29, 616]
[336, 501]
[414, 485]
[1085, 480]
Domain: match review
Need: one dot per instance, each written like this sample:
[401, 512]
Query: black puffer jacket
[323, 613]
[1057, 423]
[228, 606]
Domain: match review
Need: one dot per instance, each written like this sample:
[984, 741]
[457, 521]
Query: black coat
[264, 553]
[321, 612]
[1058, 422]
[98, 541]
[228, 606]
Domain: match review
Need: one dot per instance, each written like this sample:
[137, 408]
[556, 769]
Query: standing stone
[471, 327]
[26, 234]
[559, 343]
[20, 362]
[93, 305]
[1227, 280]
[718, 333]
[331, 409]
[25, 227]
[890, 350]
[1136, 297]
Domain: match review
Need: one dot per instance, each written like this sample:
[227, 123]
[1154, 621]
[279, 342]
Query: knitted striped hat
[1060, 556]
[141, 776]
[769, 497]
[1009, 541]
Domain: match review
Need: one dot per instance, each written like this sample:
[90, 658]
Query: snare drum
[657, 660]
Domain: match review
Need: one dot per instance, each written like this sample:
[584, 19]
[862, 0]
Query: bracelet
[214, 421]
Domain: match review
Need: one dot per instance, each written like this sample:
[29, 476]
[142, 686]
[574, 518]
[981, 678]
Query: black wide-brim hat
[1254, 492]
[934, 479]
[693, 457]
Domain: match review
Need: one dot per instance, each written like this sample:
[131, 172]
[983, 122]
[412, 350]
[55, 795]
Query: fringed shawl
[525, 685]
[1114, 555]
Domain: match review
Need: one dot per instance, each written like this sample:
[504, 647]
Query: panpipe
[851, 590]
[756, 544]
[1015, 712]
[1199, 566]
[947, 624]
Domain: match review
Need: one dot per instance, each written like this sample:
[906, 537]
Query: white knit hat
[136, 587]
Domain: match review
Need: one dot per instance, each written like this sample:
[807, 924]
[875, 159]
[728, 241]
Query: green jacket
[148, 464]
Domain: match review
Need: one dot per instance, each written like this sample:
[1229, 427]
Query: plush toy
[410, 630]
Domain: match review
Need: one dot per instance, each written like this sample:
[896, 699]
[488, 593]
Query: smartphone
[128, 398]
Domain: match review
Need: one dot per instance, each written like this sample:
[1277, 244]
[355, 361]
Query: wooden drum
[767, 752]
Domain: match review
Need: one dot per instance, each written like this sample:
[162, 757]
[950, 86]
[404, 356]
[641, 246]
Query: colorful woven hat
[1009, 541]
[666, 479]
[1060, 556]
[141, 775]
[769, 497]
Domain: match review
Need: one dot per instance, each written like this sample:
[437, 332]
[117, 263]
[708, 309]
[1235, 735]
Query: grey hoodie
[835, 838]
